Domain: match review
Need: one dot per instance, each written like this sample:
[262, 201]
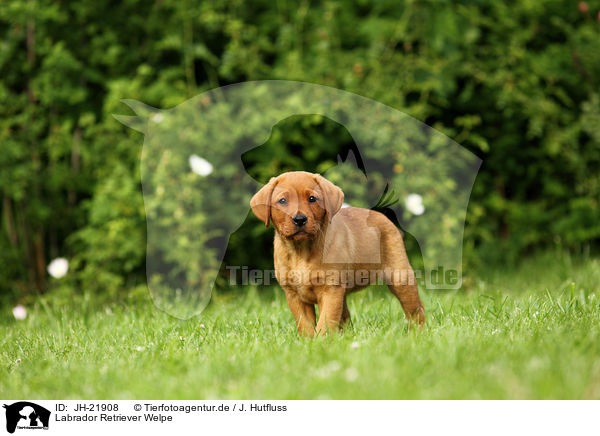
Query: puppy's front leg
[345, 315]
[304, 313]
[331, 308]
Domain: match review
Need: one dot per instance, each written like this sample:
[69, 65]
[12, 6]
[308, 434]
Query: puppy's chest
[299, 275]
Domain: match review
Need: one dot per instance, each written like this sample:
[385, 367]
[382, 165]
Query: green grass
[527, 334]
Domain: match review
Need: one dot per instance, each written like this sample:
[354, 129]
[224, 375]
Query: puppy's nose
[300, 220]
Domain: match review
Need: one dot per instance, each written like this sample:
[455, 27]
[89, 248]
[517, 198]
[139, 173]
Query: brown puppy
[324, 252]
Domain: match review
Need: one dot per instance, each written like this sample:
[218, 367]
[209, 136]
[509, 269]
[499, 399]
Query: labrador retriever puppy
[323, 252]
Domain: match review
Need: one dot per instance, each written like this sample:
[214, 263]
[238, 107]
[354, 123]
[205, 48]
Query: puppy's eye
[282, 201]
[312, 199]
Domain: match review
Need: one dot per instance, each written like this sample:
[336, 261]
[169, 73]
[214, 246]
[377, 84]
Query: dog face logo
[26, 415]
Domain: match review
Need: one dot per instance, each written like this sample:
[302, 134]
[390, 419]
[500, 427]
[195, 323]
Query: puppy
[323, 252]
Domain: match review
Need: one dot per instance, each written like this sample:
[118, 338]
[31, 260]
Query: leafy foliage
[516, 83]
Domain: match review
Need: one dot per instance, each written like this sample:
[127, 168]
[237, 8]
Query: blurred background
[517, 83]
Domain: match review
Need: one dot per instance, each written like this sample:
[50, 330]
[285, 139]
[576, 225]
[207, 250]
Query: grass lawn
[528, 334]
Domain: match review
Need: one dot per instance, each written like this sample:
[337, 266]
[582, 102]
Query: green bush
[514, 82]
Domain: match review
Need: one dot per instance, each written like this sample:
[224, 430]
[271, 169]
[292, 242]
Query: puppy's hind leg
[408, 295]
[402, 283]
[400, 278]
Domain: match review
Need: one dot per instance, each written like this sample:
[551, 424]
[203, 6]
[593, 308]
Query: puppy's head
[298, 203]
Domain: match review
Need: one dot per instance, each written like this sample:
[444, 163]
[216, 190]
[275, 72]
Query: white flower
[158, 118]
[334, 366]
[20, 312]
[329, 369]
[140, 348]
[351, 374]
[200, 166]
[345, 205]
[354, 345]
[414, 204]
[58, 267]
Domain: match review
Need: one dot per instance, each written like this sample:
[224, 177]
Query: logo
[26, 415]
[197, 189]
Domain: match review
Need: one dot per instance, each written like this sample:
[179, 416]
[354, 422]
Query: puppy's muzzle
[300, 220]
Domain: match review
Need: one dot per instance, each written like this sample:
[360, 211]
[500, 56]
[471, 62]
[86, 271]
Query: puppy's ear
[261, 202]
[333, 196]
